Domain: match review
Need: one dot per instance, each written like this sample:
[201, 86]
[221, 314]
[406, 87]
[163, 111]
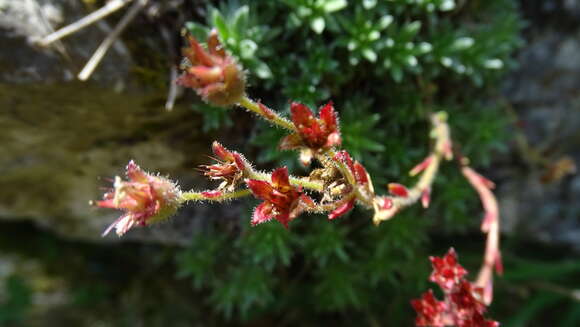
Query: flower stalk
[427, 169]
[213, 196]
[266, 113]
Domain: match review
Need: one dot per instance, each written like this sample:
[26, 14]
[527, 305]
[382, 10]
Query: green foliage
[213, 117]
[386, 65]
[539, 287]
[15, 302]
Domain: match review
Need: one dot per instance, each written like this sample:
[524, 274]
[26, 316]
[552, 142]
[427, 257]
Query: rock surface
[545, 96]
[62, 140]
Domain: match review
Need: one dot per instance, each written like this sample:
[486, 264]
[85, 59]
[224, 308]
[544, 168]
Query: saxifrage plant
[334, 189]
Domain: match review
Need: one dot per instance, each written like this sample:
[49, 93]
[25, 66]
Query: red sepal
[341, 210]
[398, 190]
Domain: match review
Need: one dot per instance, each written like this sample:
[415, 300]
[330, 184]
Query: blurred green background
[505, 71]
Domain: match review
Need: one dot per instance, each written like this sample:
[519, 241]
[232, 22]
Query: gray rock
[24, 21]
[544, 92]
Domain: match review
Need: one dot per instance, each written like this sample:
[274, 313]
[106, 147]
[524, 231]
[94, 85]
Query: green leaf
[317, 24]
[385, 21]
[220, 23]
[240, 18]
[248, 48]
[369, 54]
[397, 73]
[369, 4]
[532, 308]
[334, 5]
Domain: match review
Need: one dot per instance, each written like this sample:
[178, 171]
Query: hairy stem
[203, 196]
[266, 113]
[442, 149]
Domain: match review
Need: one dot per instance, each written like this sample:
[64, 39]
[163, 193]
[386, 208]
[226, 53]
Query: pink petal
[301, 114]
[360, 173]
[333, 139]
[199, 53]
[221, 152]
[206, 75]
[239, 161]
[260, 189]
[341, 210]
[135, 173]
[328, 116]
[262, 213]
[280, 178]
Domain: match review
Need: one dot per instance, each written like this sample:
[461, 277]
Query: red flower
[463, 305]
[144, 197]
[230, 167]
[446, 270]
[281, 200]
[430, 312]
[213, 74]
[313, 133]
[467, 300]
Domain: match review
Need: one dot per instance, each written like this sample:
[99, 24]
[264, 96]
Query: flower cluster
[214, 74]
[333, 188]
[463, 305]
[145, 198]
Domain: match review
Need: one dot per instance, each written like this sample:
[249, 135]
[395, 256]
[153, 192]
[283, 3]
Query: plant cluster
[334, 188]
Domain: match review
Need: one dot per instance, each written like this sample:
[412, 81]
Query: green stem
[199, 196]
[270, 115]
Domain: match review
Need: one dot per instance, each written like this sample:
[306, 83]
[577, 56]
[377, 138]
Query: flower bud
[213, 74]
[145, 198]
[229, 167]
[312, 133]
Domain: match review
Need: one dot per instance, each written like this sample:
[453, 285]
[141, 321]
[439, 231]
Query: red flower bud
[398, 190]
[213, 74]
[229, 167]
[145, 198]
[314, 133]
